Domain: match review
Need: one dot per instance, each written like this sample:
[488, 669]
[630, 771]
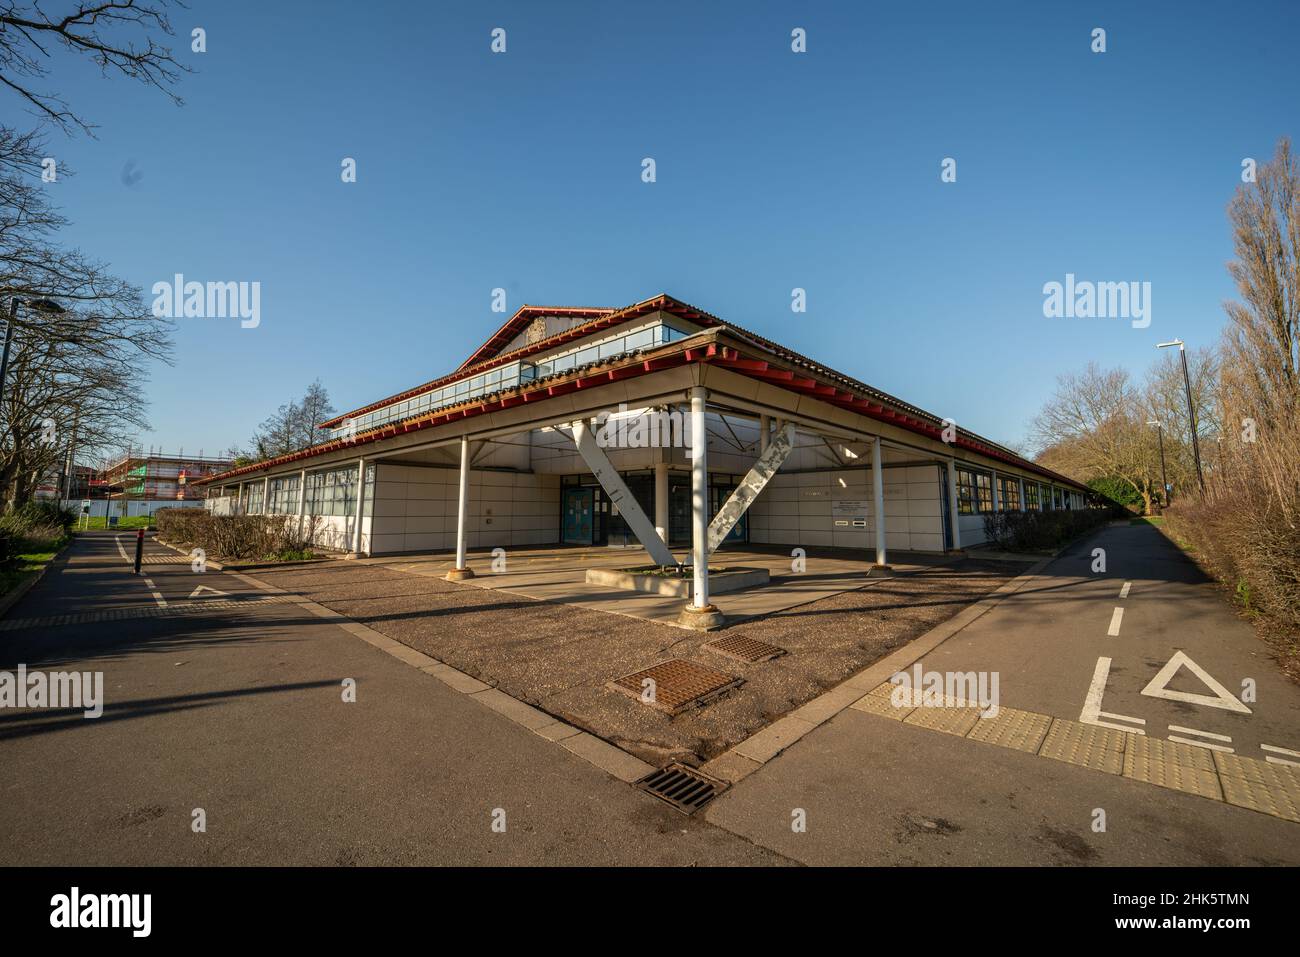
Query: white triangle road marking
[1222, 697]
[198, 592]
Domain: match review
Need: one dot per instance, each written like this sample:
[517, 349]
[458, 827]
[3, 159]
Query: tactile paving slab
[879, 705]
[1010, 728]
[1168, 764]
[956, 721]
[678, 684]
[1086, 745]
[741, 648]
[1258, 796]
[1257, 772]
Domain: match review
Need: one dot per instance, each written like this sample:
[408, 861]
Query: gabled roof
[793, 372]
[489, 354]
[519, 321]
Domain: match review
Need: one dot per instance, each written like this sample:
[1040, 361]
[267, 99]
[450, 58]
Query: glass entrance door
[578, 524]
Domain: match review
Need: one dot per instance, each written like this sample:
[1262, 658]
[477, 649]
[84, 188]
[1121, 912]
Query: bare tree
[314, 409]
[1094, 427]
[79, 365]
[292, 426]
[117, 35]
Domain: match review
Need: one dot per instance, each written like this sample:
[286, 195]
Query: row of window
[975, 494]
[513, 374]
[282, 498]
[332, 492]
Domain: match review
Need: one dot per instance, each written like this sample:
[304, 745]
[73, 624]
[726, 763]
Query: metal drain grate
[682, 786]
[675, 685]
[749, 650]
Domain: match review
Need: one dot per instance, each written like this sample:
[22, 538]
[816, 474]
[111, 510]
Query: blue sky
[775, 170]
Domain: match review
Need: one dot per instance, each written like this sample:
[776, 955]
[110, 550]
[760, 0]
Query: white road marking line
[1200, 744]
[1123, 592]
[1116, 617]
[125, 557]
[1276, 750]
[1203, 734]
[157, 595]
[1222, 697]
[1092, 713]
[202, 588]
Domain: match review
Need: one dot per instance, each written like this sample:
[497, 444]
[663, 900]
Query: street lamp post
[42, 305]
[1191, 413]
[1164, 480]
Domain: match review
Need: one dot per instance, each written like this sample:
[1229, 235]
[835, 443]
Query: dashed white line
[1123, 592]
[1116, 617]
[1276, 750]
[1203, 734]
[157, 595]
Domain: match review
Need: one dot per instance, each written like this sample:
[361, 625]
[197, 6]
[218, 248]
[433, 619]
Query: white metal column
[360, 509]
[878, 492]
[954, 520]
[302, 499]
[1022, 495]
[997, 497]
[461, 571]
[661, 500]
[699, 498]
[266, 495]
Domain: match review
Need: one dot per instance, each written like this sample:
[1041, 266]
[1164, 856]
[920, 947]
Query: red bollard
[139, 549]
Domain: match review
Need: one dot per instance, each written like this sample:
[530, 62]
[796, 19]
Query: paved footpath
[239, 712]
[1095, 721]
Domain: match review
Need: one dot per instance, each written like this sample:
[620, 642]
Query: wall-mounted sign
[849, 508]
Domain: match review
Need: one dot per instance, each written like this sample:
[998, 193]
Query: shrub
[268, 537]
[47, 514]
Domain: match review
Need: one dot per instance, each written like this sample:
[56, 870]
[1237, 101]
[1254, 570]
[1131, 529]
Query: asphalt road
[242, 715]
[877, 791]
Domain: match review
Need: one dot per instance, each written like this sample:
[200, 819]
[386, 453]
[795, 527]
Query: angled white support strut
[620, 495]
[755, 480]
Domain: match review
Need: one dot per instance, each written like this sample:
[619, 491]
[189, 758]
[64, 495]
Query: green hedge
[1044, 531]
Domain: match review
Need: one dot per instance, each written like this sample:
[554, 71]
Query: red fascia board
[789, 381]
[437, 419]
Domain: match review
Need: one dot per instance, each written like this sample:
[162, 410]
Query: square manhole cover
[750, 650]
[675, 685]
